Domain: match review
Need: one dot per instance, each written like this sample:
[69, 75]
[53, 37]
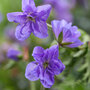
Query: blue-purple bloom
[62, 8]
[10, 33]
[13, 54]
[31, 20]
[70, 33]
[10, 36]
[45, 66]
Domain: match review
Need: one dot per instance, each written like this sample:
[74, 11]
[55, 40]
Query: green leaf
[67, 43]
[83, 67]
[20, 57]
[60, 38]
[10, 64]
[54, 43]
[86, 75]
[79, 53]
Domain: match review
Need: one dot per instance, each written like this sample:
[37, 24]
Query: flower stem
[32, 86]
[42, 88]
[49, 25]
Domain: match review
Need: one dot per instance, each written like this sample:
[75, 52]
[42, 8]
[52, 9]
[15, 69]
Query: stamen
[32, 19]
[45, 64]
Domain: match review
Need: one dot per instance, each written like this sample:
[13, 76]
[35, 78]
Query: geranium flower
[66, 34]
[31, 20]
[45, 66]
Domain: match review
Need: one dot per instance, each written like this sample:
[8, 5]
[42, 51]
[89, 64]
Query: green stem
[49, 25]
[32, 86]
[42, 88]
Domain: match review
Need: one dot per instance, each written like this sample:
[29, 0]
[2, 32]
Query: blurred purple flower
[10, 36]
[62, 8]
[45, 66]
[1, 17]
[70, 33]
[13, 54]
[31, 20]
[10, 33]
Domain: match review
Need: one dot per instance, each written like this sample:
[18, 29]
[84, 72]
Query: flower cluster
[33, 20]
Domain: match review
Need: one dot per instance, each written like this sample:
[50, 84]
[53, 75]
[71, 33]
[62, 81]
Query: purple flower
[10, 36]
[10, 33]
[70, 34]
[13, 54]
[45, 66]
[31, 20]
[62, 8]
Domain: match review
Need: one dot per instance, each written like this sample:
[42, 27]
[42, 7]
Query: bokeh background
[76, 76]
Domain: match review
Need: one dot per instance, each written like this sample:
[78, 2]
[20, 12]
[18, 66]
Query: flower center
[31, 19]
[45, 64]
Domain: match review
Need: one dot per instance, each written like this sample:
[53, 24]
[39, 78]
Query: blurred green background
[77, 73]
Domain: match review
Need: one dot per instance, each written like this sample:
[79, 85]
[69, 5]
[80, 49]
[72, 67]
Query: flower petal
[23, 31]
[45, 84]
[32, 71]
[56, 66]
[44, 11]
[38, 53]
[70, 33]
[13, 54]
[53, 52]
[75, 44]
[17, 17]
[28, 5]
[67, 35]
[58, 26]
[40, 29]
[48, 79]
[75, 32]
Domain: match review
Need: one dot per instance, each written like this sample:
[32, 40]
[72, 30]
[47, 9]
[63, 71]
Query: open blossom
[62, 8]
[45, 66]
[70, 34]
[31, 20]
[13, 54]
